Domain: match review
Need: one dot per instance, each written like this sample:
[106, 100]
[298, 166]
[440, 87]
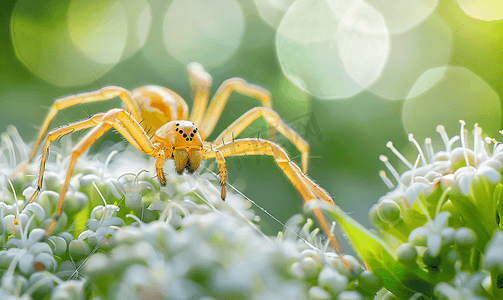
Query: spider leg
[105, 93]
[222, 172]
[200, 83]
[123, 122]
[56, 134]
[273, 120]
[300, 181]
[220, 99]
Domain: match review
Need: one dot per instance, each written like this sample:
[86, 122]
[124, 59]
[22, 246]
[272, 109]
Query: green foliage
[438, 230]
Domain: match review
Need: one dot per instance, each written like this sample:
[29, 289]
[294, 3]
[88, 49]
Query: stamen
[414, 169]
[24, 233]
[8, 276]
[392, 170]
[15, 197]
[489, 140]
[332, 233]
[12, 155]
[135, 218]
[107, 162]
[419, 150]
[23, 153]
[451, 142]
[429, 149]
[105, 209]
[463, 142]
[443, 135]
[477, 131]
[398, 154]
[386, 180]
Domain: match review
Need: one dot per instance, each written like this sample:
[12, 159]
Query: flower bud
[349, 295]
[465, 237]
[317, 292]
[134, 201]
[418, 236]
[452, 257]
[406, 253]
[79, 249]
[375, 219]
[389, 211]
[58, 244]
[369, 282]
[309, 266]
[332, 280]
[75, 202]
[44, 283]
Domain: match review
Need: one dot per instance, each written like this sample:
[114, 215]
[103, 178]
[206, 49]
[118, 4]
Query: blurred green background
[349, 76]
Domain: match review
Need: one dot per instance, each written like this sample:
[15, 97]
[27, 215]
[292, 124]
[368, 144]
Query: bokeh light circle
[426, 46]
[42, 42]
[332, 48]
[272, 11]
[488, 10]
[139, 18]
[208, 32]
[403, 15]
[445, 95]
[98, 28]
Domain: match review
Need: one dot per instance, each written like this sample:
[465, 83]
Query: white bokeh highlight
[445, 95]
[208, 32]
[62, 58]
[272, 11]
[139, 18]
[403, 15]
[426, 46]
[98, 28]
[487, 10]
[332, 48]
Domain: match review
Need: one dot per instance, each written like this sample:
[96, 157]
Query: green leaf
[401, 281]
[498, 199]
[478, 209]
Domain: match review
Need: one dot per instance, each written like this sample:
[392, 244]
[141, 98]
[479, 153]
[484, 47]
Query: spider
[180, 137]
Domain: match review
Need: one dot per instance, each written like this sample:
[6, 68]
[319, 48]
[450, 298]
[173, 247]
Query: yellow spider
[182, 138]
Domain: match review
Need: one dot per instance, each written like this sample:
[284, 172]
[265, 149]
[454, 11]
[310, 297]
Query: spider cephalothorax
[184, 146]
[180, 137]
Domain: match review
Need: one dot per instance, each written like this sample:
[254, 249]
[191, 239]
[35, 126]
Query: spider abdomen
[158, 105]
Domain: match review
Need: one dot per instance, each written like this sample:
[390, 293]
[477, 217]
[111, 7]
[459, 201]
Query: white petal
[37, 210]
[157, 205]
[414, 190]
[40, 248]
[491, 174]
[26, 263]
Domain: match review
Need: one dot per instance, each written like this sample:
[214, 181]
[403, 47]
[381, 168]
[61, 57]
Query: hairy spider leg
[274, 121]
[292, 171]
[222, 172]
[105, 93]
[199, 83]
[117, 118]
[56, 134]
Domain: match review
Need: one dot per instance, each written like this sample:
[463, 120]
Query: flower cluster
[122, 236]
[442, 221]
